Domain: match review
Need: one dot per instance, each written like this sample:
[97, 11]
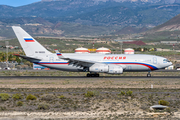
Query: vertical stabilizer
[30, 46]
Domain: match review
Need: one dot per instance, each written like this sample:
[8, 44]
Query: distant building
[160, 49]
[169, 42]
[33, 24]
[129, 51]
[170, 67]
[92, 50]
[136, 42]
[82, 50]
[103, 50]
[124, 40]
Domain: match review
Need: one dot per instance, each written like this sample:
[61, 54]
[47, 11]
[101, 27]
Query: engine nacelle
[115, 69]
[103, 68]
[99, 68]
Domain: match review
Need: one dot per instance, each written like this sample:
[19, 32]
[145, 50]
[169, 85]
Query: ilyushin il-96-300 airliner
[93, 63]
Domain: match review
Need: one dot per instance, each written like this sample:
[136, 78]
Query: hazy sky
[16, 3]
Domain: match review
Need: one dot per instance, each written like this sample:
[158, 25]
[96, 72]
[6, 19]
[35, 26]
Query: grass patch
[61, 97]
[31, 97]
[91, 93]
[163, 102]
[19, 103]
[43, 106]
[17, 96]
[4, 96]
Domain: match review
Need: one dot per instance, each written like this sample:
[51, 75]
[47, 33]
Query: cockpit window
[166, 60]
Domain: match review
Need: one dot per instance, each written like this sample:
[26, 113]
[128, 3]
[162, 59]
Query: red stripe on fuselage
[55, 63]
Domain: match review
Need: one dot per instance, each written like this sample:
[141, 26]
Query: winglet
[58, 53]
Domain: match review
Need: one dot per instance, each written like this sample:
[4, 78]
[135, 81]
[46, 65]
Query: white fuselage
[136, 62]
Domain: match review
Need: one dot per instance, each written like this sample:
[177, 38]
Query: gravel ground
[66, 98]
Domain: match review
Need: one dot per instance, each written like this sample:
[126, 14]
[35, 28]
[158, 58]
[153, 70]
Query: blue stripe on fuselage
[134, 63]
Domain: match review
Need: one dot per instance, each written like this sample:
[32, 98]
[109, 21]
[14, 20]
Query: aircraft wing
[85, 63]
[27, 58]
[79, 62]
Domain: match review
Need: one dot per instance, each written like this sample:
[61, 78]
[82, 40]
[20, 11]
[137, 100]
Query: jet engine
[115, 69]
[105, 68]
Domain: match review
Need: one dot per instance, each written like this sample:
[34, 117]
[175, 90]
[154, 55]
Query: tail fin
[30, 46]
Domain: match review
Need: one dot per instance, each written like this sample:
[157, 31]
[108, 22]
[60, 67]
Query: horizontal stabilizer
[58, 54]
[28, 58]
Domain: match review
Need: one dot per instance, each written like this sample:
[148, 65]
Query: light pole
[121, 42]
[7, 45]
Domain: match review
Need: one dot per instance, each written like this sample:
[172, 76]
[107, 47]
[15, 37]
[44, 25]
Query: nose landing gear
[149, 74]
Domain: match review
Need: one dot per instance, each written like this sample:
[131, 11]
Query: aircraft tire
[88, 75]
[148, 75]
[96, 75]
[92, 75]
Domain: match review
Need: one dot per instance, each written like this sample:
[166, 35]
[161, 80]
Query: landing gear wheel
[148, 75]
[88, 75]
[96, 75]
[92, 75]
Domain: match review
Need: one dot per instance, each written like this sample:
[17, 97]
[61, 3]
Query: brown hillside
[131, 30]
[171, 25]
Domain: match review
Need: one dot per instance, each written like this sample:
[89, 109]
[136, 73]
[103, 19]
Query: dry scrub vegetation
[82, 98]
[112, 103]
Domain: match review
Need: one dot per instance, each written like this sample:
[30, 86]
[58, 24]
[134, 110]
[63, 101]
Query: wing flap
[79, 62]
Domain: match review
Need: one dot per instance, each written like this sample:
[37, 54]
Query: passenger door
[154, 60]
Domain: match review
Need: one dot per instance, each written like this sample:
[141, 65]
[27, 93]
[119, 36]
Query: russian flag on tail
[59, 54]
[29, 40]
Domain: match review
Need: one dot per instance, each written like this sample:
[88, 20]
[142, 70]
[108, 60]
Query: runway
[84, 77]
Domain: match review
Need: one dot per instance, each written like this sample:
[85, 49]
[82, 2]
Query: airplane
[93, 63]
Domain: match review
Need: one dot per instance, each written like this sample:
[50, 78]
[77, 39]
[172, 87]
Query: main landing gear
[92, 75]
[149, 74]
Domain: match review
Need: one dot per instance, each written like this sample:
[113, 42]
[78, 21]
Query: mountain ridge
[88, 10]
[105, 17]
[145, 1]
[171, 25]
